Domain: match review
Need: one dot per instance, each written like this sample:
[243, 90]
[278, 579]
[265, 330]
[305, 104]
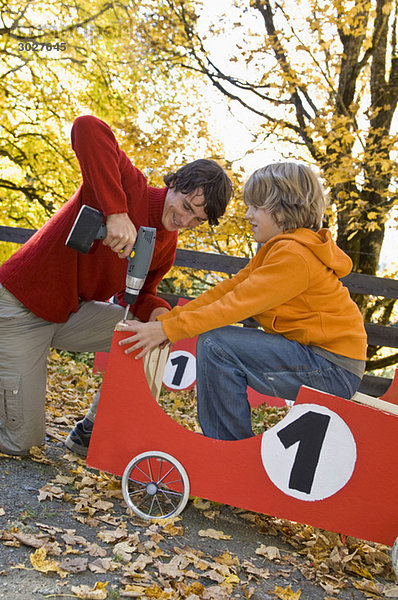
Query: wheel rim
[395, 557]
[155, 485]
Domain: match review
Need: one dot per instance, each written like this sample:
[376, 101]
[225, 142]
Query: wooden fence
[378, 335]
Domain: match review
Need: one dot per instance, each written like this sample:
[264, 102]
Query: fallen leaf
[101, 565]
[213, 575]
[41, 563]
[103, 505]
[201, 504]
[390, 591]
[215, 592]
[171, 569]
[2, 512]
[132, 591]
[153, 591]
[211, 514]
[74, 565]
[96, 550]
[51, 529]
[49, 492]
[227, 559]
[35, 541]
[173, 530]
[63, 480]
[124, 550]
[253, 570]
[38, 455]
[141, 563]
[214, 534]
[86, 593]
[70, 538]
[270, 552]
[195, 588]
[2, 455]
[286, 593]
[111, 536]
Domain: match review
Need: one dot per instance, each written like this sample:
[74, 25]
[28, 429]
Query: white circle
[334, 458]
[180, 371]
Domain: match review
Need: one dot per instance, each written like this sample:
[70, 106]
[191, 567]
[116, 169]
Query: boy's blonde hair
[290, 192]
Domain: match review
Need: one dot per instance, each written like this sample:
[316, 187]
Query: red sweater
[49, 278]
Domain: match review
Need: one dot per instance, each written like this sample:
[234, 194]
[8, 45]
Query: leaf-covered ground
[66, 533]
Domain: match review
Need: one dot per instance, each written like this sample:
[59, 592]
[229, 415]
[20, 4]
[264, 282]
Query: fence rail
[358, 283]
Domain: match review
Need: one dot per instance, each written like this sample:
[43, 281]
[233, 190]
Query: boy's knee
[213, 340]
[204, 343]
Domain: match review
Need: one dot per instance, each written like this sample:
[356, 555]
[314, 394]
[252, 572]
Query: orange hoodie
[290, 287]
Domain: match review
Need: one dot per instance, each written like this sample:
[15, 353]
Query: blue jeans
[231, 358]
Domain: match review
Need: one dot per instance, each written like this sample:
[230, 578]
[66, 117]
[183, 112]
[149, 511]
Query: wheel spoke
[170, 492]
[136, 492]
[150, 508]
[170, 482]
[160, 508]
[149, 469]
[137, 482]
[169, 500]
[160, 469]
[165, 475]
[143, 472]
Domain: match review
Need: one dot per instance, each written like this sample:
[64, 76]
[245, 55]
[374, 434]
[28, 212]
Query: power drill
[89, 226]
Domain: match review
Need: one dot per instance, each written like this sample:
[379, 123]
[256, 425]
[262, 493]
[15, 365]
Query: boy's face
[183, 210]
[263, 225]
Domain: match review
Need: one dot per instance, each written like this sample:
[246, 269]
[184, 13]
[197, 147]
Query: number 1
[181, 362]
[310, 431]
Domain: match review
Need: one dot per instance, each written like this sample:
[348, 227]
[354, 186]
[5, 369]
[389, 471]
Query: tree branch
[382, 363]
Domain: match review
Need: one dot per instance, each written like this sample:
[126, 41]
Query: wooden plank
[17, 235]
[376, 403]
[359, 283]
[378, 335]
[222, 263]
[209, 261]
[154, 366]
[382, 335]
[374, 386]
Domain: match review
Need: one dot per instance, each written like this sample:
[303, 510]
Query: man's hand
[121, 234]
[147, 336]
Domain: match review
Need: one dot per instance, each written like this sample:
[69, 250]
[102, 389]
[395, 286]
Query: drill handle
[139, 263]
[88, 226]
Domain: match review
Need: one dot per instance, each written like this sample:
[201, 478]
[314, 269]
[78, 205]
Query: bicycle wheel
[155, 485]
[395, 557]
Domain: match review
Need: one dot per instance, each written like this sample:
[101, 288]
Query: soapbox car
[331, 463]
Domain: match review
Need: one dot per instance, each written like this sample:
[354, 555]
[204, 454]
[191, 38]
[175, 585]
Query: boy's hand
[147, 336]
[121, 234]
[161, 310]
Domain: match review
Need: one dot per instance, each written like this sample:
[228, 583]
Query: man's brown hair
[206, 175]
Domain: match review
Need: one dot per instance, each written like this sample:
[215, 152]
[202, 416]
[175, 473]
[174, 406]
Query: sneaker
[79, 438]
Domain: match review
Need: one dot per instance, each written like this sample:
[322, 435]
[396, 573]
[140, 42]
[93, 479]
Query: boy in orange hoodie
[311, 332]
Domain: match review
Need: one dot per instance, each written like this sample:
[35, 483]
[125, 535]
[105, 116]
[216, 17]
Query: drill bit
[126, 312]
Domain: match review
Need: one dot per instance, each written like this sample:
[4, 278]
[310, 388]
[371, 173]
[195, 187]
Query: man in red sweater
[53, 296]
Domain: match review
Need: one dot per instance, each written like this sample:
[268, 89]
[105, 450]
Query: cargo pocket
[11, 409]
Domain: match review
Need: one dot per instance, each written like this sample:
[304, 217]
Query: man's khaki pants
[25, 340]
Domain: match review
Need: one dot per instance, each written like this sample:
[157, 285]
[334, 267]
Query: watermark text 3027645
[37, 46]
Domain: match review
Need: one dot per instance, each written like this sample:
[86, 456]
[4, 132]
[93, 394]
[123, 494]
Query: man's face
[183, 210]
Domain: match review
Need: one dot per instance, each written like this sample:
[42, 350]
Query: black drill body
[89, 226]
